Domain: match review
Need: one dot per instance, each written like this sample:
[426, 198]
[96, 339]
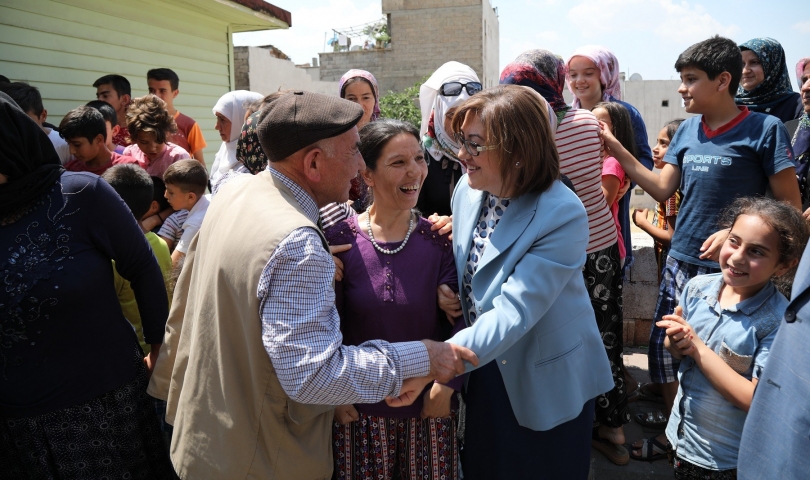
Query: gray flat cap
[296, 120]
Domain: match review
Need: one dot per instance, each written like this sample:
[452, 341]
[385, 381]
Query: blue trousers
[497, 447]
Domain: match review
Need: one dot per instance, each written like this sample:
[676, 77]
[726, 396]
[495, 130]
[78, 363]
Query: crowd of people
[361, 298]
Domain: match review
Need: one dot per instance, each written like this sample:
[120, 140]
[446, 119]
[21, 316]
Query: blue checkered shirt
[301, 327]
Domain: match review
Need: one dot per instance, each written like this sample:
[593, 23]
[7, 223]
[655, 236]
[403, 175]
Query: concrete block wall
[241, 68]
[640, 292]
[421, 31]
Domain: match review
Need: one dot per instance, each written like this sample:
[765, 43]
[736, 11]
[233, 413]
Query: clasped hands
[682, 340]
[446, 362]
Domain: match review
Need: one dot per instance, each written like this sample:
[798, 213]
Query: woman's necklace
[374, 242]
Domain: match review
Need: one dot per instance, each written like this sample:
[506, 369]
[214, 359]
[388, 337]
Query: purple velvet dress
[393, 297]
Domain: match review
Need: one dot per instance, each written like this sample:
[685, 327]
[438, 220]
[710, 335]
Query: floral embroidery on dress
[35, 257]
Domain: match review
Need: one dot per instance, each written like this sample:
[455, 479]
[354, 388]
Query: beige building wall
[421, 31]
[257, 70]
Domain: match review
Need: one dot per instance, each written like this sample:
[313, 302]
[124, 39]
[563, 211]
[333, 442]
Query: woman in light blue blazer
[519, 243]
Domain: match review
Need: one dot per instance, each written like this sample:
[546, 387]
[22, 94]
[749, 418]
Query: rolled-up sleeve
[301, 332]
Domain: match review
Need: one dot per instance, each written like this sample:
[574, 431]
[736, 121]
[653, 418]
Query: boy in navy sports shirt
[724, 153]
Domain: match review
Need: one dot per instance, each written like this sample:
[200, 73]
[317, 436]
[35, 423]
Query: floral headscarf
[248, 149]
[375, 114]
[777, 78]
[608, 66]
[543, 72]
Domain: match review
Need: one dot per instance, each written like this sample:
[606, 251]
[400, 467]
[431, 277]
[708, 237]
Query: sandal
[615, 453]
[651, 450]
[643, 393]
[652, 419]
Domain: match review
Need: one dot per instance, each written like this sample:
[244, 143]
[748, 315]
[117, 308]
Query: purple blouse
[393, 297]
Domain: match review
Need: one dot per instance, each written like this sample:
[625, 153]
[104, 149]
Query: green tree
[402, 105]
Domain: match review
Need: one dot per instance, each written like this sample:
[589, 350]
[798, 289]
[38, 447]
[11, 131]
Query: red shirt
[122, 137]
[115, 159]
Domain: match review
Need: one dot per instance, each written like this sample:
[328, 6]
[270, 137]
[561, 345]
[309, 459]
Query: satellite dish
[635, 77]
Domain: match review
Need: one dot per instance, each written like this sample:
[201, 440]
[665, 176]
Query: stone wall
[241, 68]
[421, 31]
[640, 292]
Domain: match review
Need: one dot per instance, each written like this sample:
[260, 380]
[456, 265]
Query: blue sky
[646, 35]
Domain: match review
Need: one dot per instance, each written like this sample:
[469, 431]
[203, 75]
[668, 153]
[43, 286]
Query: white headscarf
[431, 101]
[233, 106]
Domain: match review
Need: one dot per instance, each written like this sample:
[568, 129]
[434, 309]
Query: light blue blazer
[534, 315]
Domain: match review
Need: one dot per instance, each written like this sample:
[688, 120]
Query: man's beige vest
[232, 419]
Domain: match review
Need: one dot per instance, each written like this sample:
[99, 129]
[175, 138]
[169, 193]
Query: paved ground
[601, 468]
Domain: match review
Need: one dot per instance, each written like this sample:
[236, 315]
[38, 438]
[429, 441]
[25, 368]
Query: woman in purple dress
[388, 291]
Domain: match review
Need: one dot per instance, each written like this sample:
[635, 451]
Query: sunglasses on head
[453, 89]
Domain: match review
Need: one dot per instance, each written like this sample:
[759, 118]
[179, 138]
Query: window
[664, 103]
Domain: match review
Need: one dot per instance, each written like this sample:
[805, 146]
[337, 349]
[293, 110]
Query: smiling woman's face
[753, 74]
[483, 170]
[399, 174]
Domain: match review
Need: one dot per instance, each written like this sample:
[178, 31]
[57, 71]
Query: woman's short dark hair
[515, 118]
[375, 135]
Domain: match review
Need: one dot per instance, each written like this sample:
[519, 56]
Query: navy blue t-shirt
[733, 161]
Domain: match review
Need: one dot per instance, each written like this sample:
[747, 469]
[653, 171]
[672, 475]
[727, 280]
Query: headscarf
[801, 139]
[27, 158]
[248, 149]
[435, 106]
[543, 72]
[776, 85]
[375, 114]
[359, 189]
[608, 66]
[233, 105]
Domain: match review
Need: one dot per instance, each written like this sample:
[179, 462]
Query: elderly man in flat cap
[252, 363]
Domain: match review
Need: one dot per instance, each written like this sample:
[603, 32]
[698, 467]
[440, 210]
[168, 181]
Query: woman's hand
[437, 401]
[338, 263]
[409, 392]
[449, 303]
[682, 338]
[345, 414]
[640, 215]
[443, 224]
